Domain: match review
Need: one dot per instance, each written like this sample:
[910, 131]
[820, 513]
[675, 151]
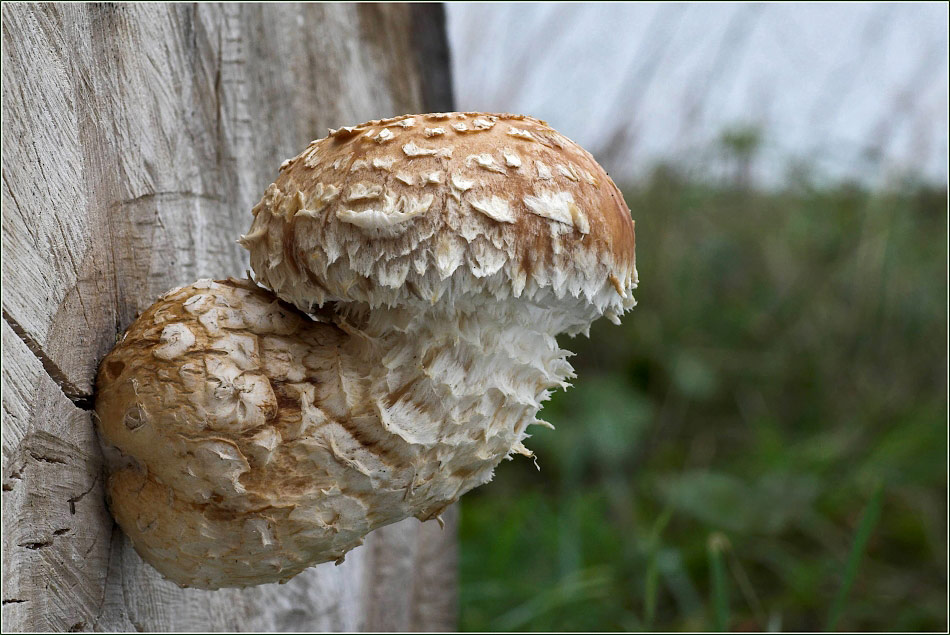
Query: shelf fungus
[411, 277]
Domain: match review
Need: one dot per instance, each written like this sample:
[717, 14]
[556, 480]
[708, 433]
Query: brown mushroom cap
[449, 209]
[247, 442]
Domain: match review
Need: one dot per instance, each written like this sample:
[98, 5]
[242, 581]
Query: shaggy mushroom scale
[419, 270]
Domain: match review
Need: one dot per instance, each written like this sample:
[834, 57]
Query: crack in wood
[97, 615]
[80, 399]
[75, 499]
[14, 476]
[167, 196]
[46, 459]
[43, 544]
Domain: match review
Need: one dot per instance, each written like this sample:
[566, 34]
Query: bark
[136, 139]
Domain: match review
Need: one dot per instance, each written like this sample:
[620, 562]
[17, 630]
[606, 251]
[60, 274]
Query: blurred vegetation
[761, 446]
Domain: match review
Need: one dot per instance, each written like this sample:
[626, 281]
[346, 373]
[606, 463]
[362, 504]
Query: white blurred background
[829, 91]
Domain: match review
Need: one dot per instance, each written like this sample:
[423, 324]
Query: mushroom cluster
[417, 270]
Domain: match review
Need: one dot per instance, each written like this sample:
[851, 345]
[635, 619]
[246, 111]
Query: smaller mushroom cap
[469, 211]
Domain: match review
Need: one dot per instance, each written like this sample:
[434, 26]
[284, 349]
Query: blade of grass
[651, 586]
[579, 588]
[775, 622]
[745, 585]
[719, 599]
[861, 537]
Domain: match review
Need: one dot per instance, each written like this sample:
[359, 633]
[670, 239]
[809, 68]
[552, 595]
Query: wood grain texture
[136, 139]
[415, 593]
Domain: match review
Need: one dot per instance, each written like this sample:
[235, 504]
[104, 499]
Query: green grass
[719, 595]
[862, 536]
[761, 445]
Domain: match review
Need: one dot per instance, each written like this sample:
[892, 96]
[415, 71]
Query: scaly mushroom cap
[204, 408]
[247, 442]
[451, 208]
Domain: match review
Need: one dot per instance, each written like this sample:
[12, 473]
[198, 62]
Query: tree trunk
[136, 139]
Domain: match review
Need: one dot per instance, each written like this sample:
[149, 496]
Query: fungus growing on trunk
[437, 256]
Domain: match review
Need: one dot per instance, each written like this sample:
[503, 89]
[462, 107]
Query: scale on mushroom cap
[437, 256]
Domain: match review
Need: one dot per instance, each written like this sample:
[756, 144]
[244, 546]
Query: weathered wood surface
[136, 139]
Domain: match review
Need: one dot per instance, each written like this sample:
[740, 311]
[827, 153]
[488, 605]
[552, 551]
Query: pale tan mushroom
[440, 255]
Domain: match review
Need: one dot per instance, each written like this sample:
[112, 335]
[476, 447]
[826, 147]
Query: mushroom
[419, 269]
